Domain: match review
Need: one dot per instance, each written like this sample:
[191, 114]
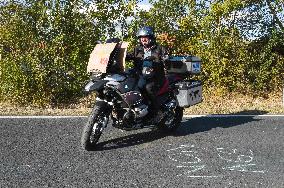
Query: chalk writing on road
[237, 161]
[191, 161]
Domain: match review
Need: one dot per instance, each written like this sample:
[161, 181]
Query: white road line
[40, 117]
[234, 115]
[185, 116]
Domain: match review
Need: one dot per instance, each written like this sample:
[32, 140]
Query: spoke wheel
[97, 121]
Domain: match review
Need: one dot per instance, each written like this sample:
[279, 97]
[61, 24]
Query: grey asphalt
[203, 152]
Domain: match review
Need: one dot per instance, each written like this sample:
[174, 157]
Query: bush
[45, 50]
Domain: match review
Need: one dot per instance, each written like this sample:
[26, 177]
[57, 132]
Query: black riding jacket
[158, 52]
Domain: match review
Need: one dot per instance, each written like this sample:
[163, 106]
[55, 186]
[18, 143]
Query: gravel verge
[232, 103]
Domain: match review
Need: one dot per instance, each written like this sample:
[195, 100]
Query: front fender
[95, 85]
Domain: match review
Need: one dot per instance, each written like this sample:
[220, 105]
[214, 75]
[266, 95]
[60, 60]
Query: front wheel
[172, 120]
[97, 121]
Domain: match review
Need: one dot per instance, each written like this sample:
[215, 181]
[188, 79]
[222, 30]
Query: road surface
[203, 152]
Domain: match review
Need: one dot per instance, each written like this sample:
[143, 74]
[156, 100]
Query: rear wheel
[172, 120]
[97, 121]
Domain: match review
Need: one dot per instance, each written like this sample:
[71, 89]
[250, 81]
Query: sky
[145, 5]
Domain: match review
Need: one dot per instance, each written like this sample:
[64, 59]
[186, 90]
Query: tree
[47, 46]
[220, 32]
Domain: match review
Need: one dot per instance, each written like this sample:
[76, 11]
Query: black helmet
[146, 31]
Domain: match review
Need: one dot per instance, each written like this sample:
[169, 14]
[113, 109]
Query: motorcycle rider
[149, 48]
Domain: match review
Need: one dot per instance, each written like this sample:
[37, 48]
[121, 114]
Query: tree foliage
[240, 42]
[45, 45]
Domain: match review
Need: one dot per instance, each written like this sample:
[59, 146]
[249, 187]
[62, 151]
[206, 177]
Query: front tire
[97, 121]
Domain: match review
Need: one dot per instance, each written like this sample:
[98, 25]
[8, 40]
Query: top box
[184, 65]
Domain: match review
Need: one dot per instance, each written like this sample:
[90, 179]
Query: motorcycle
[119, 99]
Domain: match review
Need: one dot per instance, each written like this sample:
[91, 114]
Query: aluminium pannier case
[184, 64]
[189, 93]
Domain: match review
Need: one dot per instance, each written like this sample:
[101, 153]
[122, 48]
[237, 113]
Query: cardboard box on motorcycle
[101, 54]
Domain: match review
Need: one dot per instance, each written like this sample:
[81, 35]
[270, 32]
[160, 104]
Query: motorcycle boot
[155, 115]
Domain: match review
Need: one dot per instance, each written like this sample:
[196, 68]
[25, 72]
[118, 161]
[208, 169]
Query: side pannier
[189, 93]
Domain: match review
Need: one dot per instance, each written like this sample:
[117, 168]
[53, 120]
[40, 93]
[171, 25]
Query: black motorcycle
[119, 99]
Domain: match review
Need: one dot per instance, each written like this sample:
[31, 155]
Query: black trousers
[152, 88]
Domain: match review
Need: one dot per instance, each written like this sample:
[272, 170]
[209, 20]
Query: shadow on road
[190, 126]
[202, 124]
[131, 140]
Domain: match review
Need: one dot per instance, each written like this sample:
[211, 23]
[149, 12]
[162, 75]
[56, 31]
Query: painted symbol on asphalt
[189, 159]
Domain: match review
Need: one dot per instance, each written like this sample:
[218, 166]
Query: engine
[131, 110]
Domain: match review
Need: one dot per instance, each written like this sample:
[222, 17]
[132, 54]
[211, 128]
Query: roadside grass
[232, 103]
[235, 103]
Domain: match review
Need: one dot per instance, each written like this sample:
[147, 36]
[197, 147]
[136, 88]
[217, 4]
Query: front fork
[107, 108]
